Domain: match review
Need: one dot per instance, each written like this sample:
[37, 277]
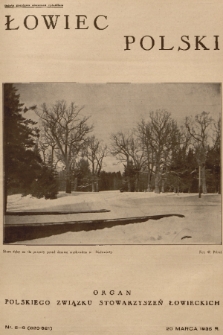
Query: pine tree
[18, 137]
[22, 162]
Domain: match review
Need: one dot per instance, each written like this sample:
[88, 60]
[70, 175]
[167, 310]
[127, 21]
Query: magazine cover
[111, 167]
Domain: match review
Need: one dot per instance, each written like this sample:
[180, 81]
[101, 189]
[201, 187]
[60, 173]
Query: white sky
[119, 106]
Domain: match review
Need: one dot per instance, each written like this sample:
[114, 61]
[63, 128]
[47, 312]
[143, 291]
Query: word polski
[162, 42]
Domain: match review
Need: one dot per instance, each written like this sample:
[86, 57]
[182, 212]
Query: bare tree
[200, 129]
[217, 134]
[144, 135]
[95, 153]
[66, 132]
[48, 148]
[216, 150]
[127, 149]
[137, 156]
[120, 146]
[159, 137]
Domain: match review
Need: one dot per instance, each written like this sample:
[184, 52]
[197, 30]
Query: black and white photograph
[112, 163]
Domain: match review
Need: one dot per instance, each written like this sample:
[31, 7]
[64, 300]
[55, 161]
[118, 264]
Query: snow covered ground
[201, 224]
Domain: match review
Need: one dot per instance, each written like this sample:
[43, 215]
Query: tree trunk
[96, 186]
[68, 180]
[157, 189]
[92, 186]
[203, 179]
[68, 186]
[5, 194]
[148, 186]
[149, 181]
[219, 188]
[52, 158]
[162, 187]
[129, 184]
[137, 183]
[75, 184]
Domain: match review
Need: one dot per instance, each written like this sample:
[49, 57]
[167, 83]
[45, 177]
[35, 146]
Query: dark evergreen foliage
[82, 176]
[45, 184]
[213, 169]
[22, 162]
[110, 181]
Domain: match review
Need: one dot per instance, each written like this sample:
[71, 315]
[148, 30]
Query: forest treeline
[61, 152]
[158, 155]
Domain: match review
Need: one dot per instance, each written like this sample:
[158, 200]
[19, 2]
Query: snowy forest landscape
[136, 164]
